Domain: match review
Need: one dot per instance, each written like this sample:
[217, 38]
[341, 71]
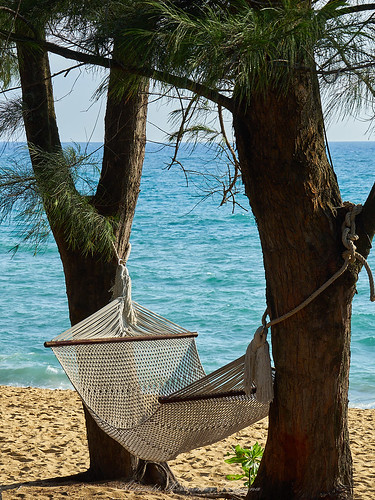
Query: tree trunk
[89, 278]
[294, 194]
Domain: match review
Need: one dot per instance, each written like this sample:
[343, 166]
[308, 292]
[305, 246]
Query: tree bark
[294, 196]
[89, 278]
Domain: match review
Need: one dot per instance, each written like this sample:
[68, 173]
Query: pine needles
[245, 47]
[53, 190]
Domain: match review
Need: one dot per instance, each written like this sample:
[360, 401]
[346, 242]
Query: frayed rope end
[258, 369]
[123, 288]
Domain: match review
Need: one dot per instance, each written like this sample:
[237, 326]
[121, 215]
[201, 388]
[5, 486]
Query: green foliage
[11, 119]
[8, 67]
[19, 197]
[239, 46]
[245, 47]
[28, 196]
[249, 459]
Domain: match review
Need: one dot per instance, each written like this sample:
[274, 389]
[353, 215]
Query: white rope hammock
[144, 384]
[141, 378]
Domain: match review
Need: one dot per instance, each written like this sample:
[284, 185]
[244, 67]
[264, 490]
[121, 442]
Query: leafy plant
[249, 459]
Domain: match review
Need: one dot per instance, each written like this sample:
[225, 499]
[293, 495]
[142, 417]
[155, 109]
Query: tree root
[155, 474]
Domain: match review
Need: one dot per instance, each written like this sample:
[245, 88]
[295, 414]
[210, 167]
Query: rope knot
[349, 235]
[122, 288]
[259, 339]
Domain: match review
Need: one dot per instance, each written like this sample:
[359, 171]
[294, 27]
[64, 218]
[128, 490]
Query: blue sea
[193, 261]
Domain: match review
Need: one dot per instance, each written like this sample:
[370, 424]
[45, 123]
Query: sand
[42, 437]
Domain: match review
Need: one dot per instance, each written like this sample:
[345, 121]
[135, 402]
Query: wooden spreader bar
[199, 397]
[110, 340]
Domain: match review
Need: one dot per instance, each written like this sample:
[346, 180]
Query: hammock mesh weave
[145, 386]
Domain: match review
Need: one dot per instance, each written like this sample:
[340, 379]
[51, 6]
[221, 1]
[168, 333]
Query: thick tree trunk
[294, 194]
[89, 279]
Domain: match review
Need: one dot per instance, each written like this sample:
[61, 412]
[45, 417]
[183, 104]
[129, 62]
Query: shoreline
[43, 439]
[71, 389]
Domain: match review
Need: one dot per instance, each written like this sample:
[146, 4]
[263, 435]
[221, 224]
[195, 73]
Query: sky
[80, 116]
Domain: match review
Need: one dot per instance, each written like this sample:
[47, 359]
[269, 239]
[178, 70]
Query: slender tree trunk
[89, 278]
[37, 98]
[294, 196]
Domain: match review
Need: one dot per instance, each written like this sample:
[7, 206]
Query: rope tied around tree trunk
[258, 369]
[349, 236]
[123, 288]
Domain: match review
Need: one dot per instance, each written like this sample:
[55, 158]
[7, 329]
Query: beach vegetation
[63, 189]
[249, 459]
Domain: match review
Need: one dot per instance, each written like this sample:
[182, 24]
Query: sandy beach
[42, 439]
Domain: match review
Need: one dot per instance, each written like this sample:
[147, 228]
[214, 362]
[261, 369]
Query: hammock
[140, 377]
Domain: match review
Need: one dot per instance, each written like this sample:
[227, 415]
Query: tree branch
[339, 71]
[180, 134]
[65, 72]
[366, 229]
[105, 62]
[229, 192]
[355, 8]
[368, 214]
[16, 15]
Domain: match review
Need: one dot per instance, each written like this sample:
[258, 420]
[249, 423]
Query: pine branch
[64, 72]
[106, 62]
[10, 116]
[181, 131]
[228, 191]
[346, 69]
[17, 15]
[353, 9]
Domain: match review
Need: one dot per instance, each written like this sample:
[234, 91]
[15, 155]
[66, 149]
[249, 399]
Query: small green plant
[249, 459]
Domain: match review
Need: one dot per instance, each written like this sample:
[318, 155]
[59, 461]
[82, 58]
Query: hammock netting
[145, 386]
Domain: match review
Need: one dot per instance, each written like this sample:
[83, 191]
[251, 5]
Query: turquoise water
[192, 261]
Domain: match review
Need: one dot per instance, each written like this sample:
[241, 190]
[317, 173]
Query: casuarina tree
[90, 230]
[268, 64]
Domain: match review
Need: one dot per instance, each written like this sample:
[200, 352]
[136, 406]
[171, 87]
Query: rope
[125, 258]
[123, 288]
[348, 238]
[256, 370]
[350, 255]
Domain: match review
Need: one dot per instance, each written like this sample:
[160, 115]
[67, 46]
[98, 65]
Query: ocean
[192, 261]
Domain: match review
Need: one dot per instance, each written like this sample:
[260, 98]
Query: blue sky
[80, 117]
